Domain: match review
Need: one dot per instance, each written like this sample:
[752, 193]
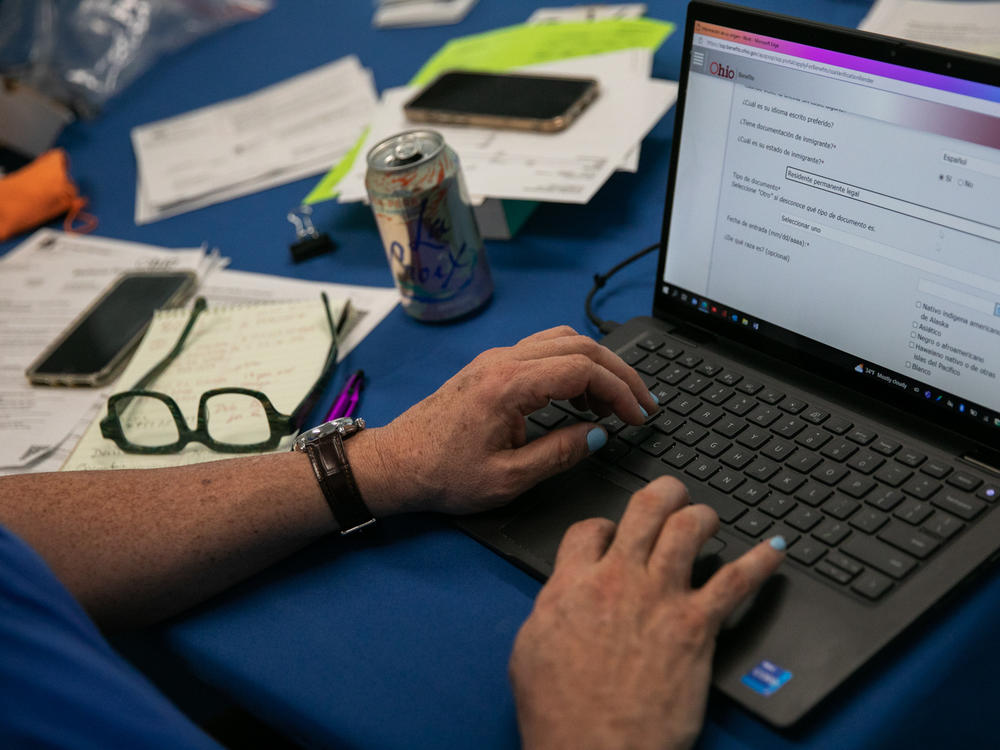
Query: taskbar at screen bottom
[962, 414]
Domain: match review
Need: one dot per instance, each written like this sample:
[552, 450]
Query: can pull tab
[309, 242]
[406, 152]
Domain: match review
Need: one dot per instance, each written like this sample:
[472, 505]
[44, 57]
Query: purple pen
[347, 400]
[353, 400]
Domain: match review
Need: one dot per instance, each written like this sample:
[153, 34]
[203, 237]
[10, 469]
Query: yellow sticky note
[326, 189]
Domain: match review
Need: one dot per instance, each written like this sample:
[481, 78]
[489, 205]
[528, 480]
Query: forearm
[137, 546]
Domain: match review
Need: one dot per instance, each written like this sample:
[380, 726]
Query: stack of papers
[609, 43]
[279, 134]
[45, 283]
[565, 167]
[51, 277]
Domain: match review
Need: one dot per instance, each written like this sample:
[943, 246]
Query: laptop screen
[844, 206]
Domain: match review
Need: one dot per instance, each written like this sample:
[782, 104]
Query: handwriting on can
[432, 271]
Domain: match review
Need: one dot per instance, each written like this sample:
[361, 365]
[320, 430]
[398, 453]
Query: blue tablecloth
[401, 639]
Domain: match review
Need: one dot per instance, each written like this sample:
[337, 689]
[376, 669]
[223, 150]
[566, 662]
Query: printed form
[45, 283]
[281, 133]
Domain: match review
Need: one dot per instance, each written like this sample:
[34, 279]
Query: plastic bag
[83, 53]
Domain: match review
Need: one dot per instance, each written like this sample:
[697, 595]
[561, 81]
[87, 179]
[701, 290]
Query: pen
[347, 400]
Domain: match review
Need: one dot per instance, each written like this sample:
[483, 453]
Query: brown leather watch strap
[333, 472]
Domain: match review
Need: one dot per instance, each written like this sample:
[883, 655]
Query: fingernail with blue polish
[778, 543]
[654, 397]
[596, 439]
[644, 412]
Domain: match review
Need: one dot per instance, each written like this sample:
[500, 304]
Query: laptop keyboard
[861, 511]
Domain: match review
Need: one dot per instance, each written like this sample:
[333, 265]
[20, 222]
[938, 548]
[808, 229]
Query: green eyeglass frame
[279, 424]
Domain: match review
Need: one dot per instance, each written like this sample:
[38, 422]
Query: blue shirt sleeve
[61, 683]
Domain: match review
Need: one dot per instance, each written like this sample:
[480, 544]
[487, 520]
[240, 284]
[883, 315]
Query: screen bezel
[805, 353]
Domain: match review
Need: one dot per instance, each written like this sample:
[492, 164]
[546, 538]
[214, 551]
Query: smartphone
[95, 345]
[517, 101]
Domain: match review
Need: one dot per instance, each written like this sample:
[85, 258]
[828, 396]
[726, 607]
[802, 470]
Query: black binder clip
[309, 242]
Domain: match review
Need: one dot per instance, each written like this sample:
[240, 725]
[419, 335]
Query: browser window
[846, 200]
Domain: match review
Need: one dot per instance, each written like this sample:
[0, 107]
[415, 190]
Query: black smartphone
[515, 101]
[94, 346]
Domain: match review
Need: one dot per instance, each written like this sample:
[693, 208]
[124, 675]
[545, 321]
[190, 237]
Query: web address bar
[782, 60]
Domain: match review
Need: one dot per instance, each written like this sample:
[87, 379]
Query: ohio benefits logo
[723, 71]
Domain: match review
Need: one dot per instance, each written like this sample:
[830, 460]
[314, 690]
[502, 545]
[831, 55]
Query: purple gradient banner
[851, 62]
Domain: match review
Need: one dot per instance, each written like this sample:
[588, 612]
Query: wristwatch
[324, 445]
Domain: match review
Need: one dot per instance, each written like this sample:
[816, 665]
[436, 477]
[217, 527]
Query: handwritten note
[276, 348]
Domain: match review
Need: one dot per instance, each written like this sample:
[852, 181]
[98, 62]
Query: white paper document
[390, 13]
[588, 12]
[284, 132]
[966, 26]
[565, 167]
[44, 284]
[599, 12]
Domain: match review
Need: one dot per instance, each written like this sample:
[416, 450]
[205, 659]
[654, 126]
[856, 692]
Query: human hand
[463, 449]
[618, 649]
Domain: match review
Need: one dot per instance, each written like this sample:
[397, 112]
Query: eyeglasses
[230, 420]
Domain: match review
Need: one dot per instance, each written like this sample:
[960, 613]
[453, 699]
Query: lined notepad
[276, 348]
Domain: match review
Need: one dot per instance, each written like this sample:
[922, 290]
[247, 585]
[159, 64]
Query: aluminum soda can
[428, 230]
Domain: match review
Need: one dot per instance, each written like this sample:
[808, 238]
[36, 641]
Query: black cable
[600, 279]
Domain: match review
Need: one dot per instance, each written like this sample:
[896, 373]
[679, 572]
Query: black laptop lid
[833, 201]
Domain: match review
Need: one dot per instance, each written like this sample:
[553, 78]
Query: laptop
[824, 342]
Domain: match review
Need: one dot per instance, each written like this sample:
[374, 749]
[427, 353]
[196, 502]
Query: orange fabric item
[39, 192]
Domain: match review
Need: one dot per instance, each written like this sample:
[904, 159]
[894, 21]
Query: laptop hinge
[691, 334]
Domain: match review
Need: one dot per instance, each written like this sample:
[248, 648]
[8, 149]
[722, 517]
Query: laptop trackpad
[558, 504]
